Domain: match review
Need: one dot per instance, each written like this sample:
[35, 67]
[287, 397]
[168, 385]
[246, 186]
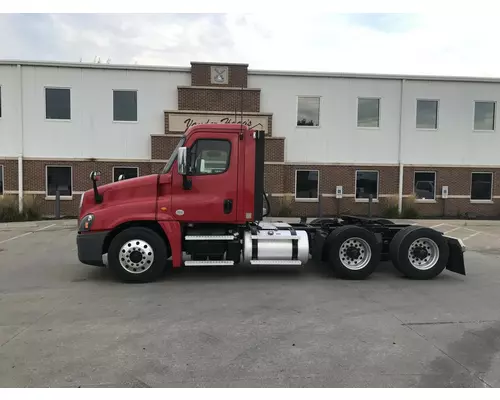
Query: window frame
[363, 199]
[53, 196]
[495, 109]
[124, 167]
[212, 140]
[491, 187]
[307, 96]
[306, 199]
[379, 99]
[437, 113]
[433, 200]
[117, 121]
[2, 179]
[70, 103]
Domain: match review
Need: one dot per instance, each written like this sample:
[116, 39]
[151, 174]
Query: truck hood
[125, 191]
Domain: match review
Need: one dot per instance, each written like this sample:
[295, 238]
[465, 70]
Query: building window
[427, 114]
[306, 185]
[210, 156]
[57, 103]
[2, 177]
[484, 115]
[308, 111]
[128, 172]
[482, 186]
[59, 178]
[125, 105]
[366, 184]
[368, 113]
[425, 185]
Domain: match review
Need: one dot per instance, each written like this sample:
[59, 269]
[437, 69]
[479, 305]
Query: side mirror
[121, 177]
[182, 164]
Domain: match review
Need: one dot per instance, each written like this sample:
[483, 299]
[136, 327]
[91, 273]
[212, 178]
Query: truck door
[214, 178]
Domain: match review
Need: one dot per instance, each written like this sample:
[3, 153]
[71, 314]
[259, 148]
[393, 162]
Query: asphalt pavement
[64, 324]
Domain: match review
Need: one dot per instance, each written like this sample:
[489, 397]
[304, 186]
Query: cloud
[371, 43]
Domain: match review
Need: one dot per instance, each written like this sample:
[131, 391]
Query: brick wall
[163, 146]
[237, 75]
[457, 179]
[218, 99]
[11, 174]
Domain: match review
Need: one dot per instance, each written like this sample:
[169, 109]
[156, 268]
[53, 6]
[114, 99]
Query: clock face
[219, 75]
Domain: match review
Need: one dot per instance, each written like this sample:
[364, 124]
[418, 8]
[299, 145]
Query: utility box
[444, 192]
[338, 192]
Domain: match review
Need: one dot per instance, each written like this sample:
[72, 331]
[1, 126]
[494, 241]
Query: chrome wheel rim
[136, 256]
[355, 253]
[423, 254]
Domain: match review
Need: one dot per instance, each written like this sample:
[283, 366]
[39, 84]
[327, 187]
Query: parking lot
[64, 324]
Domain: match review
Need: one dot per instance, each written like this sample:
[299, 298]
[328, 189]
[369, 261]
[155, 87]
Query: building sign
[181, 122]
[219, 75]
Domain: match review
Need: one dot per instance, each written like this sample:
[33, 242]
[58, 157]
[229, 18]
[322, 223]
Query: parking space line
[435, 226]
[26, 234]
[452, 230]
[471, 236]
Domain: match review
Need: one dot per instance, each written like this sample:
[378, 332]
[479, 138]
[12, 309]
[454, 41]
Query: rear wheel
[354, 252]
[137, 255]
[419, 252]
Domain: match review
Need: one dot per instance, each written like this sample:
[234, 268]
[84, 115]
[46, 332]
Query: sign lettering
[182, 122]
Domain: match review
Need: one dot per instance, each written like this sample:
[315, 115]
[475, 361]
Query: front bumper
[90, 245]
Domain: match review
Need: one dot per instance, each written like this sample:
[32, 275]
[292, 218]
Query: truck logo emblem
[179, 212]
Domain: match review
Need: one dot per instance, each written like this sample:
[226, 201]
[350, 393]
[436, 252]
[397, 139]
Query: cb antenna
[241, 108]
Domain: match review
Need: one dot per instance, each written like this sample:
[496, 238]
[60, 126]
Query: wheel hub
[420, 253]
[136, 256]
[423, 254]
[355, 253]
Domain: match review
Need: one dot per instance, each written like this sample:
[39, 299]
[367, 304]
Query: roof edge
[290, 73]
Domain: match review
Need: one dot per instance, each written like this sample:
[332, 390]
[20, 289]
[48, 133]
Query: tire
[150, 267]
[349, 238]
[404, 248]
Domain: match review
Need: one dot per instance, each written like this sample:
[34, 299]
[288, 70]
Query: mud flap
[456, 262]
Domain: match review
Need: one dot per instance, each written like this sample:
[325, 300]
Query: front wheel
[137, 255]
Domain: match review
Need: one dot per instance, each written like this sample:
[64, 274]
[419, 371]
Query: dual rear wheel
[417, 252]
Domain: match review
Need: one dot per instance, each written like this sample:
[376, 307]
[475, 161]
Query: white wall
[454, 142]
[337, 139]
[91, 131]
[10, 121]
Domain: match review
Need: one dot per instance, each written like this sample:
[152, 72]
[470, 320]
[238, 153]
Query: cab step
[212, 263]
[209, 237]
[275, 262]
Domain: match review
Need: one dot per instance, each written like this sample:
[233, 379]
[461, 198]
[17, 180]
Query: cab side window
[210, 156]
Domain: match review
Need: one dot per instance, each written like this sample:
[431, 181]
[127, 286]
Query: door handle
[228, 206]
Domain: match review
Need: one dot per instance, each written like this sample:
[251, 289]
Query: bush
[9, 209]
[390, 210]
[409, 210]
[285, 209]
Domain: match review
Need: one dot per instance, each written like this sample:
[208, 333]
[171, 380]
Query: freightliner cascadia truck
[206, 208]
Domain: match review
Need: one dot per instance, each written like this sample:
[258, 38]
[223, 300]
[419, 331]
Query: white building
[388, 136]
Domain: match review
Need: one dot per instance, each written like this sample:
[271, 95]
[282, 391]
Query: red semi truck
[206, 208]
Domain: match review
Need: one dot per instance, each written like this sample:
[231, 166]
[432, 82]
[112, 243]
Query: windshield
[172, 158]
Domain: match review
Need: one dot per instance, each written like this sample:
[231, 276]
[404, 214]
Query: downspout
[21, 154]
[400, 145]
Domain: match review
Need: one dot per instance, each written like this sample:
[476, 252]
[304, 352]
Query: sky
[438, 44]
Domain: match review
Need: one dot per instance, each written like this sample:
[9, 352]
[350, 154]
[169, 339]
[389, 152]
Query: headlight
[86, 223]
